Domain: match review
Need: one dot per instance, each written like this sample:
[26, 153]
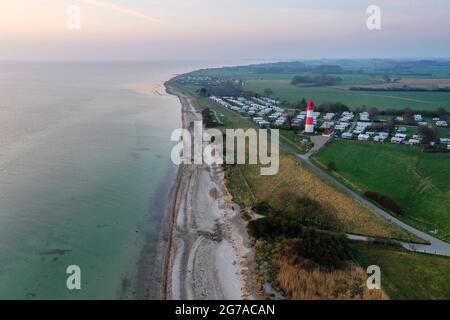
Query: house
[418, 118]
[379, 139]
[396, 140]
[263, 124]
[327, 125]
[441, 124]
[383, 134]
[348, 115]
[280, 121]
[401, 136]
[413, 142]
[347, 135]
[402, 130]
[399, 119]
[364, 116]
[363, 137]
[274, 116]
[444, 140]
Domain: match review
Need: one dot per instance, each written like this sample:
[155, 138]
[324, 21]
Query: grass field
[284, 90]
[249, 187]
[280, 83]
[406, 275]
[418, 181]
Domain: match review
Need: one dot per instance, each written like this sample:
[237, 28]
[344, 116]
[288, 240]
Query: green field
[280, 83]
[418, 181]
[407, 275]
[284, 90]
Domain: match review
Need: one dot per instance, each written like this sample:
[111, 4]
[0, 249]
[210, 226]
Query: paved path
[436, 246]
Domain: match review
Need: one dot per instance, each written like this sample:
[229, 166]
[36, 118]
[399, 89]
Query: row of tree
[322, 80]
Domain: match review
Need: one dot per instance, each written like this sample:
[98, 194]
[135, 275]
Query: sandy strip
[208, 252]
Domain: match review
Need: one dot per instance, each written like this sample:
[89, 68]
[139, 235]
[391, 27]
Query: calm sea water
[85, 174]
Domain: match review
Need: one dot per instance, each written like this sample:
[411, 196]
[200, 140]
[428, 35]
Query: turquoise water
[85, 174]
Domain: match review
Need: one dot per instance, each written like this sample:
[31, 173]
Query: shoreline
[207, 249]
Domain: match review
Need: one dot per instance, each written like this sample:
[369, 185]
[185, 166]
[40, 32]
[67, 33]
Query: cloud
[120, 9]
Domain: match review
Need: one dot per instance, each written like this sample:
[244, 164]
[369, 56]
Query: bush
[322, 80]
[331, 165]
[290, 220]
[384, 201]
[275, 227]
[207, 118]
[327, 250]
[334, 107]
[262, 208]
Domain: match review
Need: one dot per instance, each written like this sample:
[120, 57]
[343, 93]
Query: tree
[441, 111]
[203, 92]
[331, 165]
[288, 124]
[408, 118]
[374, 111]
[207, 118]
[302, 103]
[335, 107]
[248, 94]
[427, 134]
[268, 92]
[390, 125]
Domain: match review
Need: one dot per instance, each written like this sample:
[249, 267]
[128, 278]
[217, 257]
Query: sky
[222, 29]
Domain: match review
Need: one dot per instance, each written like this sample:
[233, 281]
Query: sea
[85, 176]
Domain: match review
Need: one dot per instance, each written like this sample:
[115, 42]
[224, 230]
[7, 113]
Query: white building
[363, 137]
[364, 116]
[347, 135]
[401, 136]
[396, 140]
[379, 139]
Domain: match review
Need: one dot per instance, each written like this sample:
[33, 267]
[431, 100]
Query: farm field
[406, 275]
[417, 181]
[249, 187]
[280, 83]
[284, 90]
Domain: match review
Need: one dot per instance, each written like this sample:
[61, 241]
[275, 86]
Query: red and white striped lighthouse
[309, 124]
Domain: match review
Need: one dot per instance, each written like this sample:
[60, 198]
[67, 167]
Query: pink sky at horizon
[192, 29]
